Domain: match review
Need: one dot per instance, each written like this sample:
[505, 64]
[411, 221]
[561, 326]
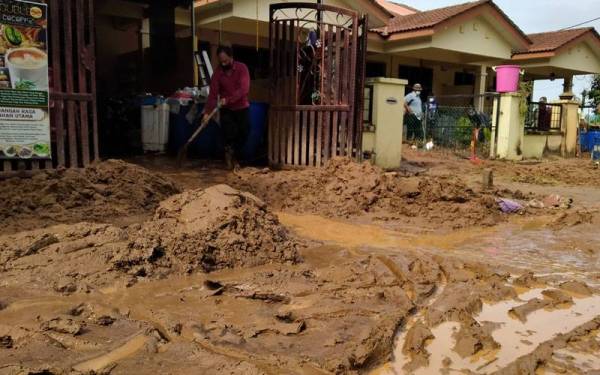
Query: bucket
[507, 78]
[155, 127]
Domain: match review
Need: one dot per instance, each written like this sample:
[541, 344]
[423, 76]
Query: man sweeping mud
[229, 89]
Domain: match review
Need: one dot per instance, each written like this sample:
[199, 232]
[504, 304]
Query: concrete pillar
[569, 127]
[385, 142]
[511, 128]
[567, 88]
[480, 86]
[495, 118]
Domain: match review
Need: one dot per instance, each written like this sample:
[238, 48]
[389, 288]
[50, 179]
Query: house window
[256, 61]
[376, 69]
[417, 74]
[464, 79]
[368, 107]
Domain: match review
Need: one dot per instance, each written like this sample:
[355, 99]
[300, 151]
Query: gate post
[388, 114]
[569, 127]
[510, 127]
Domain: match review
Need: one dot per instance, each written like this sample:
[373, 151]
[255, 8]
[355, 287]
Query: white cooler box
[155, 127]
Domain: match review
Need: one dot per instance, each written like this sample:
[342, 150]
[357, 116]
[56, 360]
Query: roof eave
[410, 34]
[590, 33]
[522, 39]
[533, 55]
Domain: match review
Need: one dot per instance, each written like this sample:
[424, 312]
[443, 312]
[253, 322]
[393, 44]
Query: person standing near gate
[229, 90]
[413, 106]
[544, 115]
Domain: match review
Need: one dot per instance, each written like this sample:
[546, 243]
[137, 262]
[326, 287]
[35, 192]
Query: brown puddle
[523, 243]
[519, 244]
[348, 234]
[341, 233]
[515, 338]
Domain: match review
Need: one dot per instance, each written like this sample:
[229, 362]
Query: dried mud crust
[338, 312]
[552, 171]
[574, 172]
[104, 191]
[344, 188]
[202, 230]
[461, 299]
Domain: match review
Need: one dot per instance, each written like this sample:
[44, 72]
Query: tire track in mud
[416, 315]
[129, 348]
[260, 363]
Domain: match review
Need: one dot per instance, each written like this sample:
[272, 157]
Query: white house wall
[580, 57]
[475, 37]
[248, 9]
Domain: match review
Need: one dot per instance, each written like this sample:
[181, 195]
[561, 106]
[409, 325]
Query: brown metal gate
[317, 76]
[73, 119]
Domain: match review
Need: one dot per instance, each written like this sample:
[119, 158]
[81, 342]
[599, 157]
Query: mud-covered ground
[120, 269]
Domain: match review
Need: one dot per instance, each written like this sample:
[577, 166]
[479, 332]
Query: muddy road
[123, 269]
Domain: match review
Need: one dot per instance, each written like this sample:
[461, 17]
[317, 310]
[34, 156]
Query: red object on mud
[475, 160]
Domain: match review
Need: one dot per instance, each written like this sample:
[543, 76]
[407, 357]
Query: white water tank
[155, 127]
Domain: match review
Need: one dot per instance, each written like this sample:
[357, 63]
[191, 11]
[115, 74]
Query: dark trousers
[414, 128]
[235, 126]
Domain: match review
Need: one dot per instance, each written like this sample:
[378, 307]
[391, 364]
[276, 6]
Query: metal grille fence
[543, 117]
[450, 124]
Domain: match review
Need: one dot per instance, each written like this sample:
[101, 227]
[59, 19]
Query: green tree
[594, 93]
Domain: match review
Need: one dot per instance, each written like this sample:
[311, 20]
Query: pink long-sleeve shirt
[233, 85]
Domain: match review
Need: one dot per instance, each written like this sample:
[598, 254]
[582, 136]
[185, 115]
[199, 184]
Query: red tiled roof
[427, 19]
[382, 7]
[397, 9]
[431, 18]
[551, 41]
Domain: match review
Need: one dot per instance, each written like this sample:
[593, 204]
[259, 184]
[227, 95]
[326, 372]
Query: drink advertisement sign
[24, 88]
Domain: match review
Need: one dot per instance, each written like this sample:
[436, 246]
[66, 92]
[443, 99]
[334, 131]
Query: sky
[534, 16]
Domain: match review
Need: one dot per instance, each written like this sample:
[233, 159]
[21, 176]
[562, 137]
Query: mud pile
[208, 230]
[103, 191]
[344, 188]
[201, 230]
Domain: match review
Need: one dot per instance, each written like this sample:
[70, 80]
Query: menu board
[24, 88]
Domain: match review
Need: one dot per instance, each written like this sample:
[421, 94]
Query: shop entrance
[145, 53]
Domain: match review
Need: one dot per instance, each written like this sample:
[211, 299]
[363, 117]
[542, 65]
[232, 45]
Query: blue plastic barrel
[589, 139]
[209, 145]
[594, 145]
[257, 134]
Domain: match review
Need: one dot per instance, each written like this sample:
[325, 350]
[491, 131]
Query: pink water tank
[507, 78]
